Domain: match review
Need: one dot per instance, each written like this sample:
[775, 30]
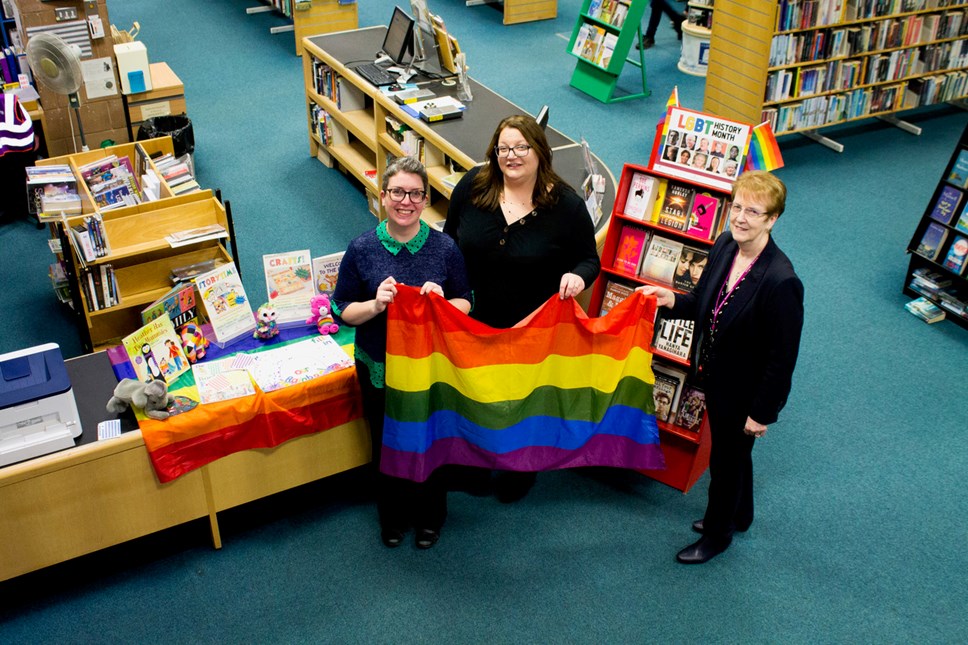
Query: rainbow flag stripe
[764, 151]
[559, 391]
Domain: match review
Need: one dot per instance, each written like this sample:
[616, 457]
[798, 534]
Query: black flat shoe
[426, 538]
[392, 538]
[698, 528]
[702, 551]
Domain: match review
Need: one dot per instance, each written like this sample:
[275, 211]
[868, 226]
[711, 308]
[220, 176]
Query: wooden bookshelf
[833, 77]
[310, 17]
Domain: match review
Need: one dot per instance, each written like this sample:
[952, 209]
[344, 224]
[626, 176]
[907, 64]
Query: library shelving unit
[842, 62]
[947, 213]
[686, 453]
[311, 17]
[142, 259]
[605, 32]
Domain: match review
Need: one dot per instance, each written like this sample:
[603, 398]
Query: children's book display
[290, 285]
[225, 304]
[155, 351]
[326, 271]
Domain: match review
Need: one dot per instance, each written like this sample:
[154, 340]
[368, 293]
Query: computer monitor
[398, 43]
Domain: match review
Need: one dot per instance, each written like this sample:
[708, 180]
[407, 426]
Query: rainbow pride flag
[560, 390]
[764, 153]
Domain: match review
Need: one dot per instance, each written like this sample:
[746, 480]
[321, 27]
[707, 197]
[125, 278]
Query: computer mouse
[395, 87]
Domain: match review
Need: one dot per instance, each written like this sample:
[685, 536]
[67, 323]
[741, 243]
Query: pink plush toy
[322, 317]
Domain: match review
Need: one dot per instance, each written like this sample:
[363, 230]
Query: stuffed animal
[322, 317]
[265, 322]
[193, 342]
[151, 397]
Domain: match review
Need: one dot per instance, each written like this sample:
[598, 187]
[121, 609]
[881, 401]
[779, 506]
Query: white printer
[38, 413]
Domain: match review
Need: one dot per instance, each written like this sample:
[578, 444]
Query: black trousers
[400, 502]
[730, 502]
[655, 16]
[13, 183]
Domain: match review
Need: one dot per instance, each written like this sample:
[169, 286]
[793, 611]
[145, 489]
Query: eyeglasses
[752, 213]
[416, 196]
[520, 150]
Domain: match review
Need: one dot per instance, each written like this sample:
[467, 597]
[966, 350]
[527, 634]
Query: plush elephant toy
[152, 397]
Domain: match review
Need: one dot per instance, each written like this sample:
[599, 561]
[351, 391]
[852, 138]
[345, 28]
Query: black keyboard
[374, 74]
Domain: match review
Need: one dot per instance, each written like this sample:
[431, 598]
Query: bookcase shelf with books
[311, 17]
[938, 266]
[353, 126]
[603, 35]
[141, 259]
[660, 233]
[837, 62]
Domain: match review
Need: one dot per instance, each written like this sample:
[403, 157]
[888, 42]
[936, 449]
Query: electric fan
[57, 64]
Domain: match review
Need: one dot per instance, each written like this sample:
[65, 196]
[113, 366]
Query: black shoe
[702, 551]
[512, 486]
[698, 528]
[647, 43]
[426, 538]
[392, 538]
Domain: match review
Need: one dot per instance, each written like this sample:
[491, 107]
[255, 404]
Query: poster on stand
[703, 148]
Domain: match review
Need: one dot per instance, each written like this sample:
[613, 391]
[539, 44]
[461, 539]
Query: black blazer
[750, 368]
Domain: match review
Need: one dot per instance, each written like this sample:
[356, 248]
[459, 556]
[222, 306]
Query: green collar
[393, 246]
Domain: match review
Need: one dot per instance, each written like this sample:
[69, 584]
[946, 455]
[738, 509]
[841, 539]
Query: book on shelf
[962, 223]
[642, 194]
[631, 245]
[453, 179]
[155, 351]
[100, 287]
[661, 260]
[615, 292]
[88, 238]
[191, 271]
[692, 262]
[195, 235]
[673, 336]
[931, 242]
[604, 55]
[290, 285]
[703, 215]
[946, 205]
[592, 43]
[225, 304]
[674, 213]
[692, 408]
[926, 310]
[959, 172]
[326, 272]
[179, 304]
[666, 390]
[957, 255]
[952, 302]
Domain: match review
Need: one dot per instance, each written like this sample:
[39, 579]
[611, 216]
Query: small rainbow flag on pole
[764, 151]
[558, 391]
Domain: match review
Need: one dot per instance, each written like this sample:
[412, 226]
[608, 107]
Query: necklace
[514, 211]
[725, 292]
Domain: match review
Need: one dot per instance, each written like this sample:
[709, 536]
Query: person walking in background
[655, 17]
[525, 235]
[400, 250]
[748, 313]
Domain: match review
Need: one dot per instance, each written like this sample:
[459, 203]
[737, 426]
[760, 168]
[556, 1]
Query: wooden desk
[360, 145]
[166, 97]
[99, 494]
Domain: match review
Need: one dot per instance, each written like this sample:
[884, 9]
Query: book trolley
[643, 214]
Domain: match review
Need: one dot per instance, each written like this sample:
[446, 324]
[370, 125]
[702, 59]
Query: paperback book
[932, 241]
[675, 207]
[703, 214]
[631, 245]
[178, 304]
[643, 191]
[661, 260]
[674, 337]
[225, 304]
[615, 292]
[155, 351]
[326, 272]
[957, 255]
[946, 205]
[666, 390]
[692, 409]
[959, 173]
[925, 310]
[290, 285]
[692, 261]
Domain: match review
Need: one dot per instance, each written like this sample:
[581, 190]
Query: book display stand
[603, 35]
[775, 61]
[938, 268]
[665, 218]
